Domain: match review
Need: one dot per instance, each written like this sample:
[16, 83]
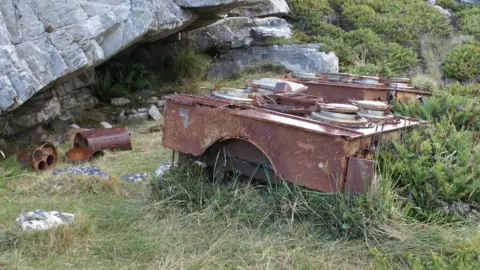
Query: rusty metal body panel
[300, 150]
[341, 92]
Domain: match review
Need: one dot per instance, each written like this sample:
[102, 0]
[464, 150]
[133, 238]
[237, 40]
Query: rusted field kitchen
[315, 130]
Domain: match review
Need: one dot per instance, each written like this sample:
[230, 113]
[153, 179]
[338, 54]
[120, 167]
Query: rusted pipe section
[88, 143]
[43, 158]
[103, 139]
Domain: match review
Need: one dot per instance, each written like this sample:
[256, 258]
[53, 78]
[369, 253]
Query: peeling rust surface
[360, 175]
[103, 139]
[305, 151]
[88, 143]
[342, 92]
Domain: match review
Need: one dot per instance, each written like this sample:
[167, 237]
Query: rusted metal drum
[43, 158]
[103, 139]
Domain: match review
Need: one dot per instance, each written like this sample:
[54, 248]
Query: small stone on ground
[135, 177]
[120, 101]
[40, 220]
[154, 113]
[87, 170]
[142, 110]
[105, 125]
[162, 168]
[138, 116]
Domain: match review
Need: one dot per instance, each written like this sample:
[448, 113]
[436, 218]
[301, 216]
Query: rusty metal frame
[308, 152]
[342, 92]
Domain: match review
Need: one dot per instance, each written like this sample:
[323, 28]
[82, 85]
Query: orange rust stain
[306, 146]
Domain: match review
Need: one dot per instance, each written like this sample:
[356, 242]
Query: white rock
[263, 8]
[154, 113]
[236, 32]
[302, 58]
[105, 125]
[40, 220]
[74, 126]
[142, 110]
[120, 101]
[445, 12]
[43, 41]
[161, 103]
[138, 116]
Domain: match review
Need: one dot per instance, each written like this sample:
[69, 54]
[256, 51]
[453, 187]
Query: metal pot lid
[302, 75]
[240, 95]
[369, 78]
[400, 80]
[401, 85]
[358, 121]
[335, 74]
[376, 117]
[371, 104]
[367, 82]
[339, 107]
[286, 108]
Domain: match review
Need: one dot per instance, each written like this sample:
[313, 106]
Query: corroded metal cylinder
[43, 158]
[103, 139]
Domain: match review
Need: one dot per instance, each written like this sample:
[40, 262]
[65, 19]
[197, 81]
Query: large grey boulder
[297, 58]
[235, 32]
[43, 41]
[263, 8]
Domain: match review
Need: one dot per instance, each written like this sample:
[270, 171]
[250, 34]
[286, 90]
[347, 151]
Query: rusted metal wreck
[328, 148]
[341, 87]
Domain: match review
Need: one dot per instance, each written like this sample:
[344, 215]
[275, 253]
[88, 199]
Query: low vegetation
[424, 213]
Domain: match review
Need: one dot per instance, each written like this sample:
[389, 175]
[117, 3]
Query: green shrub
[371, 69]
[186, 64]
[463, 63]
[457, 103]
[438, 166]
[311, 12]
[403, 22]
[118, 78]
[469, 21]
[365, 50]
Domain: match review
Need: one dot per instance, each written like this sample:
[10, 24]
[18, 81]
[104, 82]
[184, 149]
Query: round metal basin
[371, 105]
[234, 94]
[340, 118]
[339, 107]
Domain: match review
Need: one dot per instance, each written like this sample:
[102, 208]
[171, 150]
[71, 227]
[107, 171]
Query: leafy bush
[186, 64]
[312, 13]
[456, 103]
[118, 78]
[371, 69]
[403, 22]
[362, 46]
[469, 21]
[434, 49]
[436, 167]
[463, 63]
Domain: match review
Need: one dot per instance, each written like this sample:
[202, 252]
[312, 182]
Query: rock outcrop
[42, 42]
[263, 8]
[297, 58]
[236, 32]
